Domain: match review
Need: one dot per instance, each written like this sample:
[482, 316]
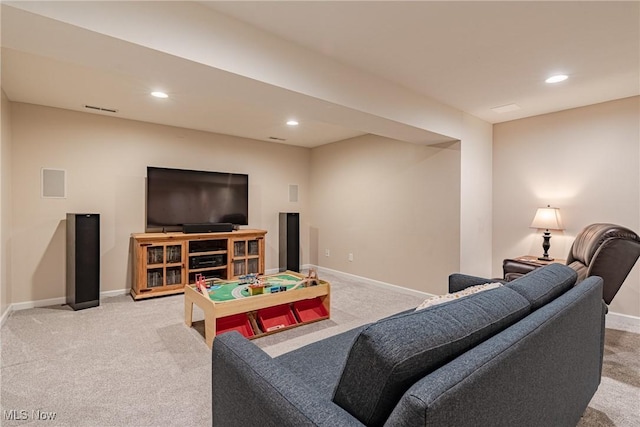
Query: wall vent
[93, 107]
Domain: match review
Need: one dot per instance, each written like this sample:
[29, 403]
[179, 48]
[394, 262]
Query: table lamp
[548, 219]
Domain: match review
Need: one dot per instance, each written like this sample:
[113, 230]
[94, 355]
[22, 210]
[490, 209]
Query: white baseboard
[117, 292]
[366, 280]
[5, 315]
[622, 321]
[52, 301]
[624, 317]
[613, 319]
[17, 306]
[369, 281]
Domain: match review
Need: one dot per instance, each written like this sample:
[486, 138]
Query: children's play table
[229, 305]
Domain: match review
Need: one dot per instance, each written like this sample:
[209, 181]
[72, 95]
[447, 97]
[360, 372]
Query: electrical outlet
[350, 256]
[326, 252]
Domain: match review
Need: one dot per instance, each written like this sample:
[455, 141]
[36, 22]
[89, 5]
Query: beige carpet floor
[128, 363]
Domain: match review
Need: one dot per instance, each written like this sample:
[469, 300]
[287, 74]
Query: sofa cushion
[388, 356]
[319, 364]
[544, 284]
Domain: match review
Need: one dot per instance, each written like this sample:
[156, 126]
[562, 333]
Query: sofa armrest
[251, 388]
[459, 281]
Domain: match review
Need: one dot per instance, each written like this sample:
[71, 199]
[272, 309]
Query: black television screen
[176, 197]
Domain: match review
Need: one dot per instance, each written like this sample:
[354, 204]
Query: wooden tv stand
[163, 263]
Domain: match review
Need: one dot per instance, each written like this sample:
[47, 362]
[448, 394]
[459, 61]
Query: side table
[516, 267]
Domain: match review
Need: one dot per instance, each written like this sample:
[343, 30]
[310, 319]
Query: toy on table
[310, 280]
[257, 286]
[201, 285]
[250, 279]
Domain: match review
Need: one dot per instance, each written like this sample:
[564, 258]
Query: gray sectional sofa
[525, 354]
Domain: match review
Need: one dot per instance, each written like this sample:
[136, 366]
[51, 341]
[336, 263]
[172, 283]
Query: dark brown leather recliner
[606, 250]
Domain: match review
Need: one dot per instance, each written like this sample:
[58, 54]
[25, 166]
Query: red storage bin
[310, 309]
[237, 322]
[273, 318]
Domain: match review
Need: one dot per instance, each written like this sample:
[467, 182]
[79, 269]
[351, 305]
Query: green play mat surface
[229, 290]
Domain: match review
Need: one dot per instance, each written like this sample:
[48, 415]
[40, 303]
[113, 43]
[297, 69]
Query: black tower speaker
[289, 241]
[83, 260]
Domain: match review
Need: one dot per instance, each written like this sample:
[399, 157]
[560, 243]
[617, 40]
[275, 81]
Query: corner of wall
[5, 210]
[476, 196]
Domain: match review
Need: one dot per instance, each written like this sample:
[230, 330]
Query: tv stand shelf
[163, 263]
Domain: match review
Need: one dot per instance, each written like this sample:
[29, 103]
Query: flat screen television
[177, 196]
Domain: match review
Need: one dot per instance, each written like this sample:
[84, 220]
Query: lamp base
[546, 245]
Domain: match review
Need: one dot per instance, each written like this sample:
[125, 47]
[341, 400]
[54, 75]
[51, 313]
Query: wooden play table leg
[209, 324]
[188, 310]
[191, 297]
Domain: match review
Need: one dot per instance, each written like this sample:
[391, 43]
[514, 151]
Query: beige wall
[475, 197]
[5, 211]
[394, 205]
[586, 161]
[105, 159]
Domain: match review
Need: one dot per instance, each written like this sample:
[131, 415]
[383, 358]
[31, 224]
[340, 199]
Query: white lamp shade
[547, 218]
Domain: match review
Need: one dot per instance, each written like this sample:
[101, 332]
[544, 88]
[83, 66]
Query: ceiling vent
[275, 138]
[506, 108]
[106, 110]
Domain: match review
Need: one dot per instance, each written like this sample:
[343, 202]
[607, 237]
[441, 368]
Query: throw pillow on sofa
[388, 356]
[440, 299]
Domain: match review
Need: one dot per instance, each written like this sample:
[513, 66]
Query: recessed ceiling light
[159, 94]
[292, 123]
[557, 78]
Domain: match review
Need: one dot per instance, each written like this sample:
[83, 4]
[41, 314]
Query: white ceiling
[471, 56]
